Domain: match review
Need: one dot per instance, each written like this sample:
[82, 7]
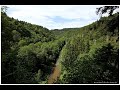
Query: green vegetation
[27, 51]
[91, 53]
[86, 55]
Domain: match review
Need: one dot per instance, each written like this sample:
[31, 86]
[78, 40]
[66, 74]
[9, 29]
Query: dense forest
[89, 54]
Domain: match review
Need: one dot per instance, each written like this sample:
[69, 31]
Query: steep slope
[28, 51]
[91, 54]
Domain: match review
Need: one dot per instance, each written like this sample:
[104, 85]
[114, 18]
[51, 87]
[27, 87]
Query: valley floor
[55, 75]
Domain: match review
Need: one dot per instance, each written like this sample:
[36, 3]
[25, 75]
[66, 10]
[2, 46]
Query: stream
[56, 72]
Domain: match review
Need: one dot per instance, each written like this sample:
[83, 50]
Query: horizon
[55, 16]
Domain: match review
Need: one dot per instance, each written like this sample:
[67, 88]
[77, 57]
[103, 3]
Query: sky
[55, 16]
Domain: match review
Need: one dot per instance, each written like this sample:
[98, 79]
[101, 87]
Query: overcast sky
[55, 16]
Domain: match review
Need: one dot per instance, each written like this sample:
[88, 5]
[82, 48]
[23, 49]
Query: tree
[105, 9]
[107, 59]
[4, 9]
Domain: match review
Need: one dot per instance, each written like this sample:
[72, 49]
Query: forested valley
[85, 55]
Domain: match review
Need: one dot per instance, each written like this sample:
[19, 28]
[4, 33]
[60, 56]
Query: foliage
[86, 55]
[109, 9]
[89, 55]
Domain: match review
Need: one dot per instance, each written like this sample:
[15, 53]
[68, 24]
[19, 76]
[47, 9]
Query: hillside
[27, 51]
[91, 54]
[85, 55]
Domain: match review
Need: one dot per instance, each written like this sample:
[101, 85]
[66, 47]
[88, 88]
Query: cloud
[54, 16]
